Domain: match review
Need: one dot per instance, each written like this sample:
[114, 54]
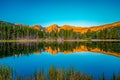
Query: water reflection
[16, 49]
[94, 58]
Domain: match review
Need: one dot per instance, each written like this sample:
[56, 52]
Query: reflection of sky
[86, 62]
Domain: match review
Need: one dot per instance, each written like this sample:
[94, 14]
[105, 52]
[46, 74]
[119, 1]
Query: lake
[92, 58]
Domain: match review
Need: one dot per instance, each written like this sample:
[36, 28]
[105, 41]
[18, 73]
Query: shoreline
[80, 40]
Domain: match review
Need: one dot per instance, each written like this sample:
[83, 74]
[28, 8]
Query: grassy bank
[6, 73]
[20, 40]
[53, 40]
[42, 40]
[106, 40]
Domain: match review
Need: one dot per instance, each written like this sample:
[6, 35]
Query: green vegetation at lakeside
[12, 32]
[48, 40]
[53, 73]
[51, 40]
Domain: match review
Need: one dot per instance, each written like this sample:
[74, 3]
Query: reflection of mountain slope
[12, 49]
[104, 52]
[50, 50]
[36, 52]
[82, 49]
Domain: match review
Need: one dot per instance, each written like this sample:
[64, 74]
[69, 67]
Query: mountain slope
[81, 29]
[51, 28]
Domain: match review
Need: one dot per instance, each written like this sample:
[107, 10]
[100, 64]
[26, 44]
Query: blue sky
[71, 12]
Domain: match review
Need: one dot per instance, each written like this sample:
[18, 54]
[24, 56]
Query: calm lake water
[93, 58]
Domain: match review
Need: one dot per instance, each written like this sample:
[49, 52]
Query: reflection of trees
[9, 49]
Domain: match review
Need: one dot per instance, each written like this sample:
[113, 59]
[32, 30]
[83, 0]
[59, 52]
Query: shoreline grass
[53, 73]
[53, 40]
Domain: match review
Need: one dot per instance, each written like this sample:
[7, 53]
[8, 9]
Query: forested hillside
[9, 31]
